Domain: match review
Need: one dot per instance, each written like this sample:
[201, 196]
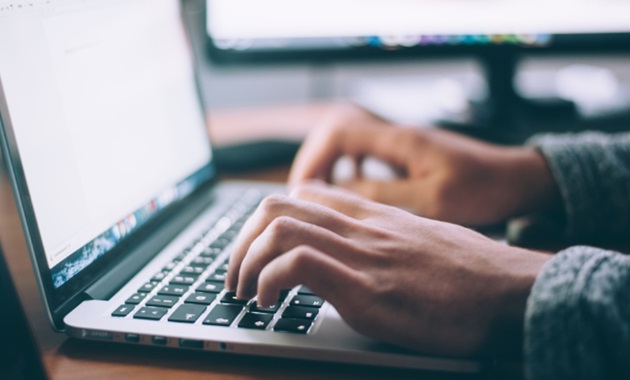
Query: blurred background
[410, 88]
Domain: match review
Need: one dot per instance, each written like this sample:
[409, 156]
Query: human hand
[443, 175]
[415, 282]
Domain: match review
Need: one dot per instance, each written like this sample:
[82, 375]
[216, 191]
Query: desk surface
[74, 359]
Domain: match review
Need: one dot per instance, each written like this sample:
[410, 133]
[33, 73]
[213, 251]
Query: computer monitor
[498, 32]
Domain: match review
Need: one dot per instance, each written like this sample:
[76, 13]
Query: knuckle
[280, 232]
[302, 258]
[281, 226]
[272, 204]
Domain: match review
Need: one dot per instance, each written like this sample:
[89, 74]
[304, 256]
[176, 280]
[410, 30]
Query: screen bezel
[59, 301]
[560, 44]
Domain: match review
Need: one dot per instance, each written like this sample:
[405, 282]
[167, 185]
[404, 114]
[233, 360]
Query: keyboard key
[305, 290]
[159, 276]
[148, 287]
[223, 315]
[170, 266]
[283, 295]
[183, 280]
[187, 313]
[162, 301]
[200, 260]
[220, 243]
[217, 277]
[230, 234]
[152, 313]
[230, 298]
[201, 298]
[237, 227]
[122, 311]
[211, 252]
[301, 312]
[271, 309]
[224, 267]
[181, 256]
[192, 270]
[258, 321]
[298, 326]
[210, 287]
[173, 290]
[136, 298]
[304, 300]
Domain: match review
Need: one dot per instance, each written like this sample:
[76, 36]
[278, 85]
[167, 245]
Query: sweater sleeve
[592, 171]
[577, 322]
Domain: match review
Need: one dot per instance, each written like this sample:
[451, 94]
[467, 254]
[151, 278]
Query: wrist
[521, 270]
[530, 181]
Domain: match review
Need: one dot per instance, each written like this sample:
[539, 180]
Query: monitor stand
[505, 116]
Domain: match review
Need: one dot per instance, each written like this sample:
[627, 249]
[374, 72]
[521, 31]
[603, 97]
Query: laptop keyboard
[190, 288]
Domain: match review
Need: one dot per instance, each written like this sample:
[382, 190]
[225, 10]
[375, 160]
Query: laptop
[128, 227]
[23, 361]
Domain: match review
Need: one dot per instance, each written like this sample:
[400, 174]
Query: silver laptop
[128, 229]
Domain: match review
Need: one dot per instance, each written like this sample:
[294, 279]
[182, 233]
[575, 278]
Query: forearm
[577, 323]
[592, 172]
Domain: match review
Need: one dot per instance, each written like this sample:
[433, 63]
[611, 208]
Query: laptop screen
[104, 108]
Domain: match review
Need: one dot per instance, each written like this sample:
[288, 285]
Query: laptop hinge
[118, 275]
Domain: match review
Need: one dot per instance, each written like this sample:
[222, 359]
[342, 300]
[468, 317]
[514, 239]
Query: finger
[273, 207]
[344, 201]
[316, 157]
[323, 274]
[402, 193]
[324, 146]
[283, 235]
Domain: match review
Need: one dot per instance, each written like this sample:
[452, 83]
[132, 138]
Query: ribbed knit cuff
[592, 171]
[577, 322]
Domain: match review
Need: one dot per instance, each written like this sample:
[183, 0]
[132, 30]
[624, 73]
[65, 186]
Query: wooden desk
[74, 359]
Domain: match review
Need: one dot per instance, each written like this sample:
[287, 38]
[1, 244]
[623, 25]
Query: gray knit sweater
[577, 323]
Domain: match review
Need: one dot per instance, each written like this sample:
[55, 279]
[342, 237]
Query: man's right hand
[443, 175]
[427, 285]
